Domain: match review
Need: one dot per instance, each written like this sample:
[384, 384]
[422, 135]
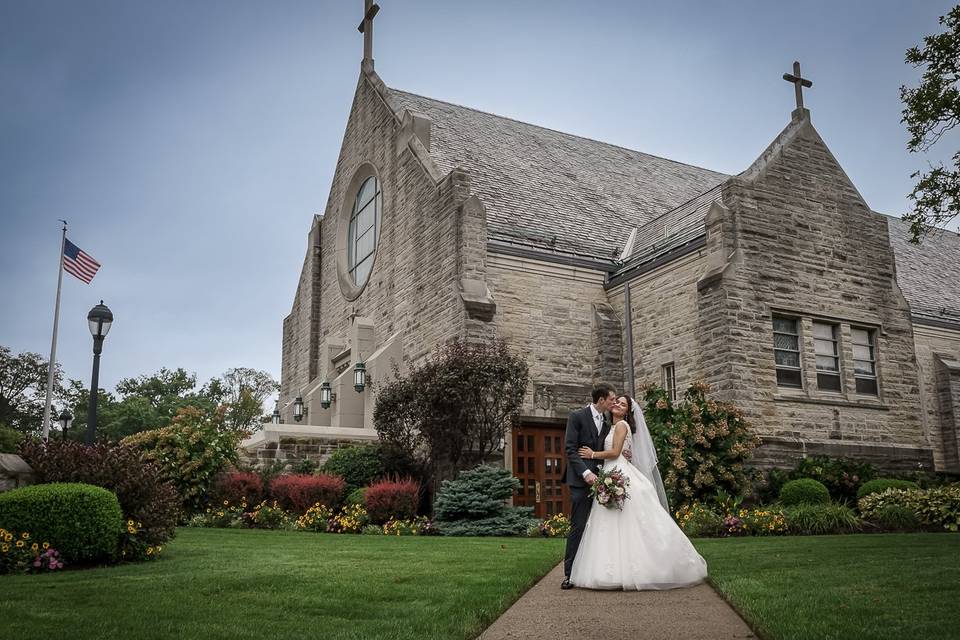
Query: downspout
[628, 327]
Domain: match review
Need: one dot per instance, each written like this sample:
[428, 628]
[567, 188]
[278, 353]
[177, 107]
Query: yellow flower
[5, 547]
[8, 537]
[129, 523]
[34, 546]
[19, 543]
[46, 545]
[26, 536]
[149, 551]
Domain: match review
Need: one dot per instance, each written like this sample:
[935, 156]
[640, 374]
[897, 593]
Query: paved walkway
[546, 611]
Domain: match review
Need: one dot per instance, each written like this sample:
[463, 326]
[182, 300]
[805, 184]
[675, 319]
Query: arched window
[363, 231]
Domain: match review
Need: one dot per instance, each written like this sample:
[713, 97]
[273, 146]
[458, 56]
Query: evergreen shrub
[81, 521]
[804, 491]
[474, 504]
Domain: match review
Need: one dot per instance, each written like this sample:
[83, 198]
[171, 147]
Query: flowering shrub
[190, 452]
[238, 486]
[697, 520]
[144, 494]
[317, 518]
[298, 493]
[556, 526]
[880, 485]
[420, 526]
[702, 444]
[226, 515]
[133, 547]
[372, 530]
[351, 519]
[82, 521]
[19, 553]
[268, 516]
[841, 476]
[392, 499]
[938, 507]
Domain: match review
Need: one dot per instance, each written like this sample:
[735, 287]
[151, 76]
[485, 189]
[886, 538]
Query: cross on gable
[798, 83]
[366, 28]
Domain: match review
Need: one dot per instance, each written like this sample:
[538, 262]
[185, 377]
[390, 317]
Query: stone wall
[663, 305]
[551, 314]
[936, 347]
[429, 244]
[799, 241]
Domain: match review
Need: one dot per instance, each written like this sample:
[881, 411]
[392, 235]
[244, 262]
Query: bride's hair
[629, 415]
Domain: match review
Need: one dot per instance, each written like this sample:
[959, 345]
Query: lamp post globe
[65, 419]
[100, 319]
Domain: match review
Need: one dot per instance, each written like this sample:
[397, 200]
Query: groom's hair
[602, 390]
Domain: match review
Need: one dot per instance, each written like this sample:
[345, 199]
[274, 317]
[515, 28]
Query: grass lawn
[233, 584]
[852, 586]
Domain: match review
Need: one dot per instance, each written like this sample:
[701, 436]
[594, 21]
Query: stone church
[778, 286]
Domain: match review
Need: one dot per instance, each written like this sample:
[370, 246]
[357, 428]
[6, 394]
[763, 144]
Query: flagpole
[52, 365]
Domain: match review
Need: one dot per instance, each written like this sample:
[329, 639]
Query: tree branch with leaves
[930, 111]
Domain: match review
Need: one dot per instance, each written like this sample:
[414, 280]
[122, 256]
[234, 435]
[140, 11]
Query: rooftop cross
[366, 28]
[798, 83]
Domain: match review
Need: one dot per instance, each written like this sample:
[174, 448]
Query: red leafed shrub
[145, 496]
[238, 487]
[397, 498]
[298, 492]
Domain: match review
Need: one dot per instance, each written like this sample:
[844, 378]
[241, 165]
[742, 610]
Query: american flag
[78, 263]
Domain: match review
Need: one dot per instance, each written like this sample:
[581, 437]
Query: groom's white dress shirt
[598, 423]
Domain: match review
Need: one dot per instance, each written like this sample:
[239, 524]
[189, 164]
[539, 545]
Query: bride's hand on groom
[586, 453]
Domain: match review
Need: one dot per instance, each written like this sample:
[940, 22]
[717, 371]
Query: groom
[587, 427]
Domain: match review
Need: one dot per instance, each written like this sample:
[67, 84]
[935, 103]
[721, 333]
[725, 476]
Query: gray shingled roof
[681, 220]
[928, 273]
[552, 190]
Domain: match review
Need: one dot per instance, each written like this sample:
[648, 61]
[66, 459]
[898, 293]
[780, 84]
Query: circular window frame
[350, 289]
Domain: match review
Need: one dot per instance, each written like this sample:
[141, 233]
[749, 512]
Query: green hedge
[804, 491]
[81, 521]
[938, 507]
[882, 484]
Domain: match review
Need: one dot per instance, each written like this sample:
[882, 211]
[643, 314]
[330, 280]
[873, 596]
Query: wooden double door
[538, 463]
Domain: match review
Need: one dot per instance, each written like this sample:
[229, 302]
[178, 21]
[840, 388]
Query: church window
[828, 356]
[786, 351]
[363, 230]
[668, 380]
[864, 359]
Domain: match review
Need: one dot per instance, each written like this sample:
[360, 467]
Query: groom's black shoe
[566, 584]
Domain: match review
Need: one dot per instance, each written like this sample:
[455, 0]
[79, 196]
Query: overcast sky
[188, 143]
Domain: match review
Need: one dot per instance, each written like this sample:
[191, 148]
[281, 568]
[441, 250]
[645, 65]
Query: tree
[453, 411]
[931, 110]
[23, 387]
[244, 391]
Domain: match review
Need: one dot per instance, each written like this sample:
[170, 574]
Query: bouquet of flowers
[610, 489]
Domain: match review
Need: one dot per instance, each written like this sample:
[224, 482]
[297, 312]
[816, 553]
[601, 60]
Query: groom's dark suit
[581, 432]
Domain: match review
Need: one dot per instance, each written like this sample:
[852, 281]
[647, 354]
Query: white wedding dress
[638, 548]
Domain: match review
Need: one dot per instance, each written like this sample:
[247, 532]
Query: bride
[639, 547]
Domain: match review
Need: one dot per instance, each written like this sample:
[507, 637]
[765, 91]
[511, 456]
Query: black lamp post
[65, 419]
[298, 408]
[326, 395]
[99, 319]
[359, 376]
